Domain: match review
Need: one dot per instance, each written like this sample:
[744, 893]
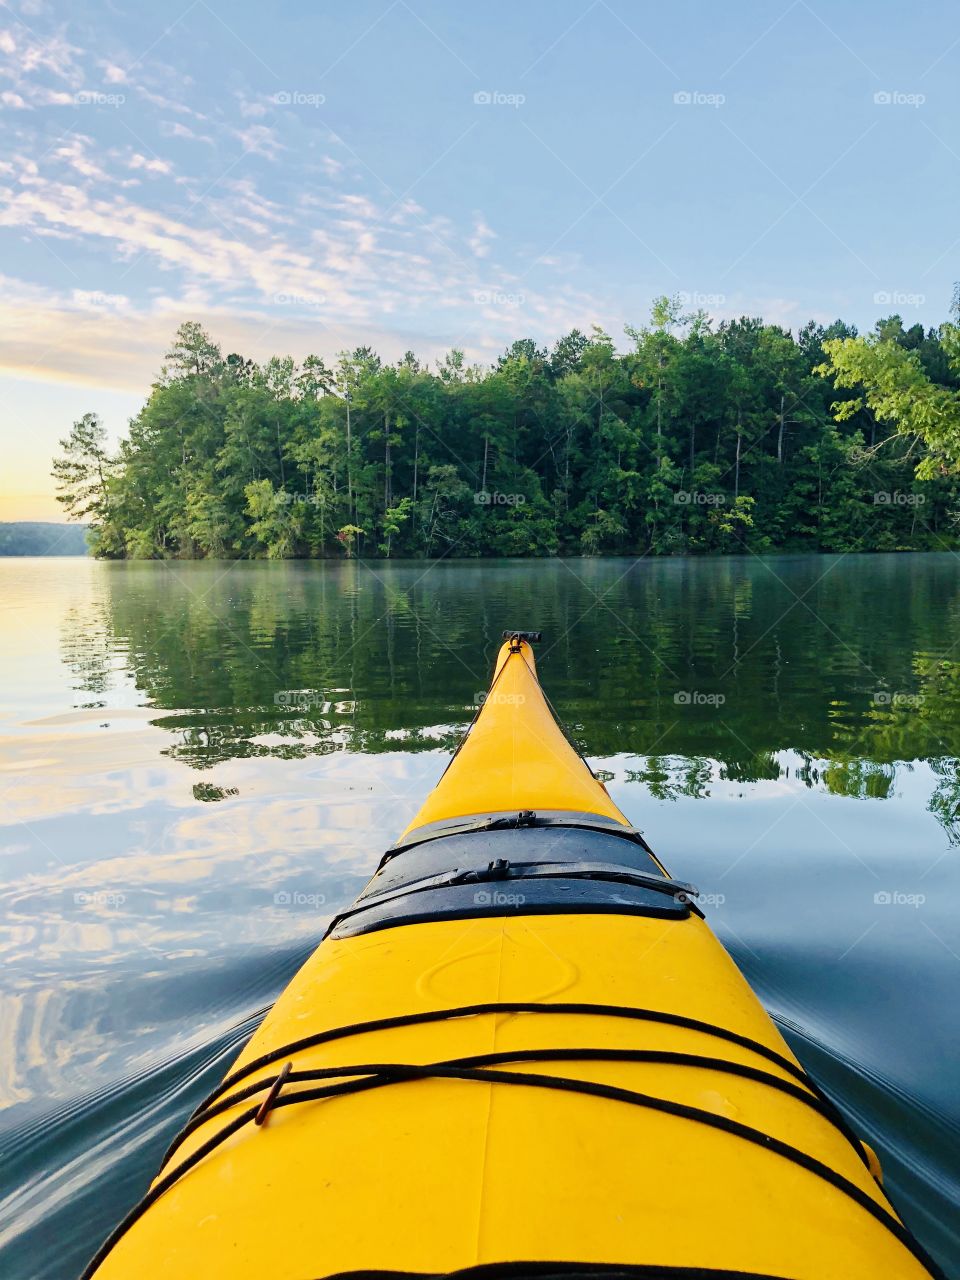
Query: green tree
[897, 389]
[83, 470]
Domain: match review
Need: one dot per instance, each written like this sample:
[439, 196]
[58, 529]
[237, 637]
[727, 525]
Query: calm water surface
[200, 763]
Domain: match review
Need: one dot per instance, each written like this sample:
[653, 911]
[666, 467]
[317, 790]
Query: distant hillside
[36, 538]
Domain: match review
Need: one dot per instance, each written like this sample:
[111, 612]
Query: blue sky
[307, 176]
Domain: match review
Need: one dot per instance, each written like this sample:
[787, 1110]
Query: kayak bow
[521, 1052]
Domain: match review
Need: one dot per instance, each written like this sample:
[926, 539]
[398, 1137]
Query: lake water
[200, 763]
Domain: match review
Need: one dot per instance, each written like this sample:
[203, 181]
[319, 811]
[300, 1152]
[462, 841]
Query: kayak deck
[523, 1050]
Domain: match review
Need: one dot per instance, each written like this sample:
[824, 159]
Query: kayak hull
[522, 1050]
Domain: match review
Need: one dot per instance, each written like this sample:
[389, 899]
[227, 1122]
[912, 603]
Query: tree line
[699, 437]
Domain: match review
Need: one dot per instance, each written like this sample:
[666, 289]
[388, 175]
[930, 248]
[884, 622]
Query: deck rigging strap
[396, 1072]
[523, 819]
[630, 1012]
[562, 1271]
[666, 1057]
[511, 872]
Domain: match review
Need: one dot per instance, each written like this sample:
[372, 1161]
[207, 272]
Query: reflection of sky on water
[144, 927]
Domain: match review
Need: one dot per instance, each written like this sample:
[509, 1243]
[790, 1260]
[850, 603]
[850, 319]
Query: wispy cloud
[76, 154]
[25, 52]
[261, 140]
[155, 165]
[479, 242]
[166, 102]
[251, 108]
[175, 129]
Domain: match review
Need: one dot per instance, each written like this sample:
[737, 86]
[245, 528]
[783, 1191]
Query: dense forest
[700, 437]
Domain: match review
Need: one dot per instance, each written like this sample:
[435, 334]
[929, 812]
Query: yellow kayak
[521, 1052]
